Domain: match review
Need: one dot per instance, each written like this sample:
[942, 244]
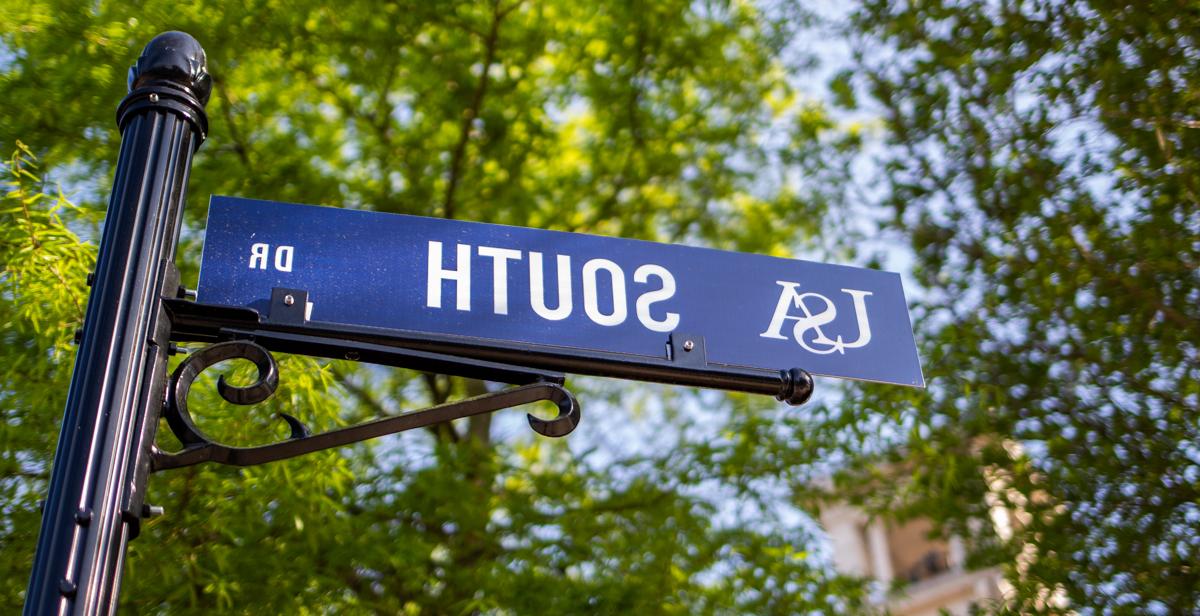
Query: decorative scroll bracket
[198, 447]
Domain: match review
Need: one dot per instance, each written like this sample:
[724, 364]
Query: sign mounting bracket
[243, 333]
[199, 447]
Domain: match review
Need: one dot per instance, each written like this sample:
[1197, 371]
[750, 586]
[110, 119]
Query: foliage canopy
[1044, 160]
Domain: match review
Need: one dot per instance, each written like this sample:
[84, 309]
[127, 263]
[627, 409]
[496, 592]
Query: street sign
[556, 289]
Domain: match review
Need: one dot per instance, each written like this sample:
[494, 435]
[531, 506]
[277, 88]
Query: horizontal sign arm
[683, 362]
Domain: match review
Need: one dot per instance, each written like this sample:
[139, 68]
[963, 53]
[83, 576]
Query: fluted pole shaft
[95, 501]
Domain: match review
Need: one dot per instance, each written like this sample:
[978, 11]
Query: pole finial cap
[173, 57]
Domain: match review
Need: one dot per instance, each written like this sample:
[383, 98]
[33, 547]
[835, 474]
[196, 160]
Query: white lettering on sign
[591, 299]
[607, 309]
[283, 258]
[537, 288]
[461, 276]
[260, 255]
[790, 298]
[500, 258]
[671, 320]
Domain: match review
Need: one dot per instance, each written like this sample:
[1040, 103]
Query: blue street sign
[559, 289]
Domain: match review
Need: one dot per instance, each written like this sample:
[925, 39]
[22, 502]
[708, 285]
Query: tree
[642, 119]
[1043, 158]
[41, 257]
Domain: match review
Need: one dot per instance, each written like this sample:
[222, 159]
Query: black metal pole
[95, 501]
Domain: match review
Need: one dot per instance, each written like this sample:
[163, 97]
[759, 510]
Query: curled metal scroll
[177, 415]
[198, 448]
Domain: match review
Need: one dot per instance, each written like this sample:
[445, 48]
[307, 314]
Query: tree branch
[479, 427]
[239, 142]
[360, 393]
[472, 112]
[438, 395]
[1120, 279]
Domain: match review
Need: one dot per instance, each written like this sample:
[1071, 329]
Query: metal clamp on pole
[95, 500]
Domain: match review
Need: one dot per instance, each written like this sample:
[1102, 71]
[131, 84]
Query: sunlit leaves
[41, 303]
[1043, 162]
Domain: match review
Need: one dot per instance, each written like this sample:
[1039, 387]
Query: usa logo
[815, 312]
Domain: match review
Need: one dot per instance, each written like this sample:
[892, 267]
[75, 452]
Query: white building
[928, 575]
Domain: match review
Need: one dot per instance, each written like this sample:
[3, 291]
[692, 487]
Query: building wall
[930, 574]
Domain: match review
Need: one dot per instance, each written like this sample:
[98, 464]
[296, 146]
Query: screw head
[688, 345]
[288, 300]
[153, 97]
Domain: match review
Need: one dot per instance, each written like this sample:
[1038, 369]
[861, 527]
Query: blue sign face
[559, 289]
